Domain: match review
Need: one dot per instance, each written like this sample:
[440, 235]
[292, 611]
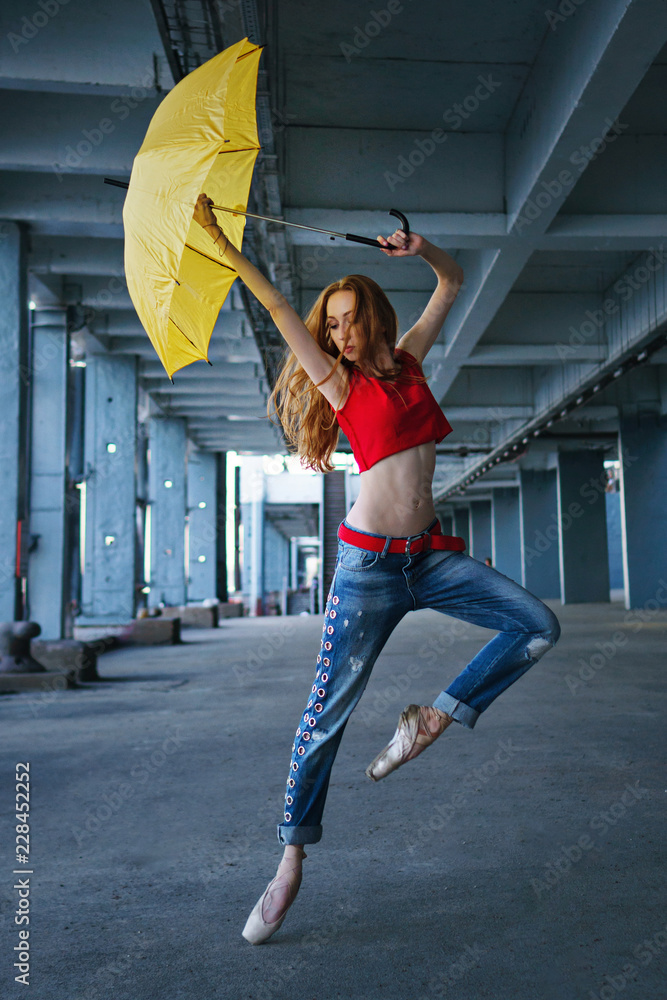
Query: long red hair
[309, 424]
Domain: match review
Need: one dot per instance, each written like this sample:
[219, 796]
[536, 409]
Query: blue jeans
[370, 593]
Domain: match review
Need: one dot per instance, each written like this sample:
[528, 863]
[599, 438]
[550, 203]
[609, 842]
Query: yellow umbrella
[203, 137]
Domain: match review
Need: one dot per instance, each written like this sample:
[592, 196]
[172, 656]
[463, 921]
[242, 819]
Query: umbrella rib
[187, 338]
[250, 53]
[212, 259]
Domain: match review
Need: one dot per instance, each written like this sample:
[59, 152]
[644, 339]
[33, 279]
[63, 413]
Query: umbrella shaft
[281, 222]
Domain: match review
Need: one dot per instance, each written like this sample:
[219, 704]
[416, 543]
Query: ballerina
[346, 370]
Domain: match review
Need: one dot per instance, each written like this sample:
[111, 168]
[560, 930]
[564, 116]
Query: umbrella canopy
[203, 137]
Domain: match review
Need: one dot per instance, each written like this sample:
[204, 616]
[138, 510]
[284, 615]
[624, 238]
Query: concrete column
[252, 514]
[48, 583]
[540, 565]
[643, 458]
[294, 558]
[144, 513]
[109, 497]
[221, 574]
[202, 525]
[446, 522]
[584, 561]
[255, 537]
[480, 530]
[614, 540]
[506, 532]
[13, 385]
[238, 583]
[276, 559]
[462, 525]
[167, 482]
[332, 512]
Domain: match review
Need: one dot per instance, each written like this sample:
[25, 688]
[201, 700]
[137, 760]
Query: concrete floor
[155, 796]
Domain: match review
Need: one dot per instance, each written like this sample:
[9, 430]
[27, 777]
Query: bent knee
[546, 639]
[553, 628]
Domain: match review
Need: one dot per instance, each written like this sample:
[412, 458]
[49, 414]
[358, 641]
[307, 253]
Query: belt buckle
[424, 535]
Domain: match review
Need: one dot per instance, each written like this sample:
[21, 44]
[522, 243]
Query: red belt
[433, 539]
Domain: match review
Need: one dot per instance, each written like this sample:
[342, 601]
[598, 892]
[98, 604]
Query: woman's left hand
[400, 245]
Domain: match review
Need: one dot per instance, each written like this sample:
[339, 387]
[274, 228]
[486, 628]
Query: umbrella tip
[209, 362]
[171, 380]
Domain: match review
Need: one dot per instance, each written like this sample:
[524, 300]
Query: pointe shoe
[257, 929]
[411, 737]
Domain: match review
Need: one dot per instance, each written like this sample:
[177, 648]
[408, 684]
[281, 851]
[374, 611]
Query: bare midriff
[395, 495]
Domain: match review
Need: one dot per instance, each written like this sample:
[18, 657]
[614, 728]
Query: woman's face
[340, 310]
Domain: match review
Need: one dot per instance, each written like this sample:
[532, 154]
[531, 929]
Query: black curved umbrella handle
[405, 226]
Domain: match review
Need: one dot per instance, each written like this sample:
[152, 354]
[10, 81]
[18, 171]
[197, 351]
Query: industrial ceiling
[530, 144]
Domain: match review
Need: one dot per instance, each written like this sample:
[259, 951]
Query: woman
[392, 555]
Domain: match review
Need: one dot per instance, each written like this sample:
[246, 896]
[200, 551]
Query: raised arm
[316, 362]
[421, 337]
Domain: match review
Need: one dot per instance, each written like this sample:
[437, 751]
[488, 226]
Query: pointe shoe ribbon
[412, 736]
[257, 929]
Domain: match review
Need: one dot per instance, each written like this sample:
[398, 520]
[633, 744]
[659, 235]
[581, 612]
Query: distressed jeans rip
[537, 647]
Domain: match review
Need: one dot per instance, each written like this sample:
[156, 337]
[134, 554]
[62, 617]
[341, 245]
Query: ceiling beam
[500, 355]
[487, 412]
[189, 387]
[230, 352]
[191, 401]
[584, 75]
[71, 199]
[120, 323]
[219, 410]
[68, 255]
[481, 230]
[246, 371]
[73, 134]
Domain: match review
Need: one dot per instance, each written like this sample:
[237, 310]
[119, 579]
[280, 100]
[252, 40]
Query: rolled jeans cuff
[299, 834]
[458, 710]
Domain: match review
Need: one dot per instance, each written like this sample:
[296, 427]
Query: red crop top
[380, 418]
